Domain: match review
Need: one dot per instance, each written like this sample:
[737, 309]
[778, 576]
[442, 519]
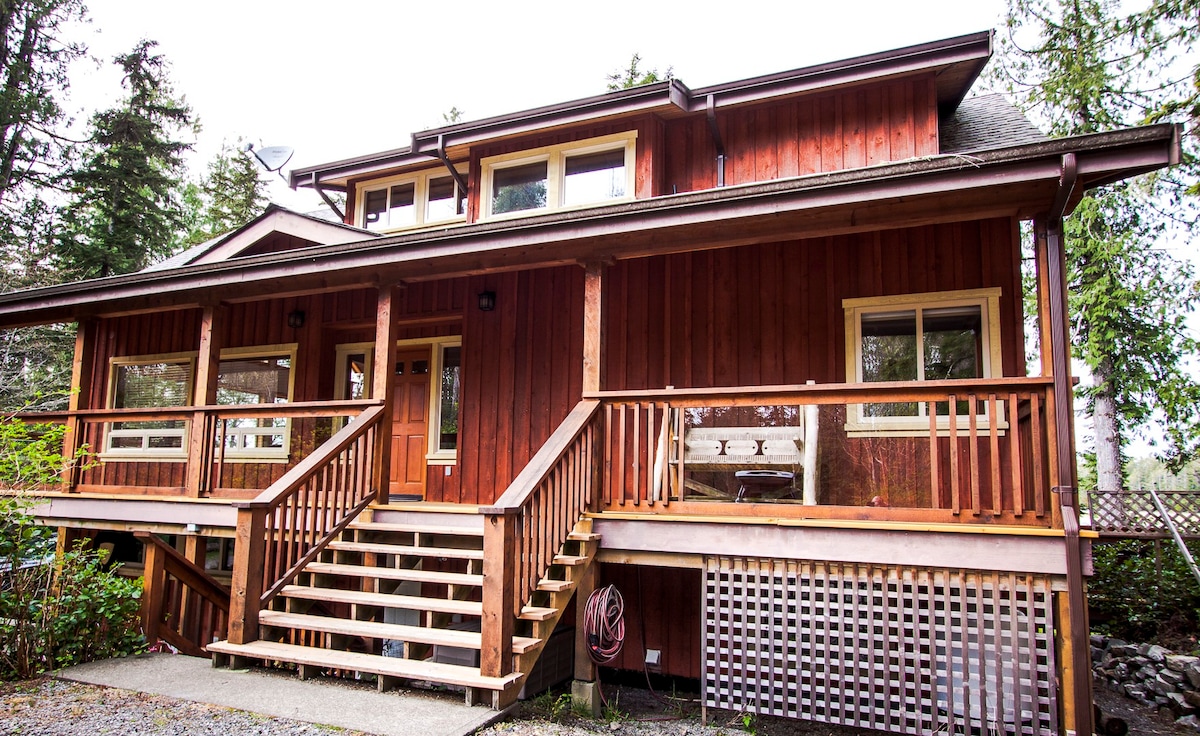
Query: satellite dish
[273, 158]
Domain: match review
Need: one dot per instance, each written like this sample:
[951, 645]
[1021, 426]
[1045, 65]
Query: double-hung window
[577, 174]
[919, 337]
[413, 200]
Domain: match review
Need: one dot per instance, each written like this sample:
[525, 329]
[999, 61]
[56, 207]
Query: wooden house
[755, 353]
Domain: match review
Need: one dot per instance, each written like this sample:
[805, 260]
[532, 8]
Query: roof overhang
[956, 62]
[1020, 181]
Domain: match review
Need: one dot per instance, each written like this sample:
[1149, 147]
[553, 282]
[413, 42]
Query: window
[570, 175]
[256, 376]
[149, 382]
[410, 201]
[355, 363]
[919, 337]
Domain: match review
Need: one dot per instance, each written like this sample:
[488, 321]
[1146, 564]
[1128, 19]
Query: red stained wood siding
[845, 129]
[668, 616]
[772, 314]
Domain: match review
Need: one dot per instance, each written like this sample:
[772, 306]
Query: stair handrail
[162, 559]
[287, 525]
[527, 525]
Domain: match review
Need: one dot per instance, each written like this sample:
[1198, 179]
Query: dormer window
[410, 201]
[578, 174]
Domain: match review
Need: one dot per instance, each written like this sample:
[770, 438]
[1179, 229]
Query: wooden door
[410, 419]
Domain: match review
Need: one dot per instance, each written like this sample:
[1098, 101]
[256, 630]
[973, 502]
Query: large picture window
[254, 377]
[587, 172]
[919, 337]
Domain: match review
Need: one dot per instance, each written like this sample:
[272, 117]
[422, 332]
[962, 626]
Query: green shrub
[1129, 598]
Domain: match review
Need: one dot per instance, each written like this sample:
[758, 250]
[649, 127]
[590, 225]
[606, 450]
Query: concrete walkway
[327, 702]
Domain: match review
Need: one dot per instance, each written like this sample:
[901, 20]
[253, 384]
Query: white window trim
[264, 454]
[420, 198]
[134, 454]
[433, 455]
[556, 158]
[987, 299]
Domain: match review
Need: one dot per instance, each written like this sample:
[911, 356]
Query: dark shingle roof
[987, 121]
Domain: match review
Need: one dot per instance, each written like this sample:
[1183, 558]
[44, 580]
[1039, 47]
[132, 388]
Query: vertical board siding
[522, 375]
[901, 650]
[662, 608]
[772, 313]
[849, 128]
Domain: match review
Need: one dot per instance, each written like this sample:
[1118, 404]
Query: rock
[1189, 721]
[1180, 662]
[1121, 671]
[1139, 661]
[1193, 675]
[1193, 698]
[1174, 678]
[1097, 654]
[1147, 672]
[1157, 654]
[1098, 640]
[1179, 706]
[1136, 692]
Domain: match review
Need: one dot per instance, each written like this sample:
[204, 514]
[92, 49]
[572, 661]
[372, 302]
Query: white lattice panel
[898, 650]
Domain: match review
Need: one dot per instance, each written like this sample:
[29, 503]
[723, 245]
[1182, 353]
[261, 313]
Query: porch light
[487, 301]
[296, 319]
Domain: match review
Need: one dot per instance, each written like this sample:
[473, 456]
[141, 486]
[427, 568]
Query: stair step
[376, 630]
[537, 613]
[411, 669]
[583, 537]
[554, 586]
[379, 526]
[570, 560]
[398, 549]
[394, 573]
[408, 602]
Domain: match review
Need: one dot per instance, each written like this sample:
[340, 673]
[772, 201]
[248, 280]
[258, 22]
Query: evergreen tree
[126, 210]
[1081, 68]
[232, 193]
[635, 76]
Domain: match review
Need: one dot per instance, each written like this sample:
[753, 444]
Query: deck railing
[528, 525]
[239, 451]
[288, 524]
[181, 604]
[1133, 513]
[956, 450]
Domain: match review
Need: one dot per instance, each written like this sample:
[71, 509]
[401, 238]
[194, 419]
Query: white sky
[340, 79]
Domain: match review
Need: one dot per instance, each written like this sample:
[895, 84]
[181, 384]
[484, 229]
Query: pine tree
[232, 193]
[1085, 69]
[635, 76]
[126, 210]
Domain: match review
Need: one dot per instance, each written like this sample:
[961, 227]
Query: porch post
[204, 393]
[1071, 607]
[383, 382]
[81, 397]
[593, 326]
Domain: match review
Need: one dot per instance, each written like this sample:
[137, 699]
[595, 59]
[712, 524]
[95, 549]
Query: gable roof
[956, 61]
[306, 230]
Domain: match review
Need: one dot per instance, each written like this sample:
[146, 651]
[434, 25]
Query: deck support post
[585, 690]
[247, 584]
[152, 593]
[204, 393]
[593, 326]
[383, 383]
[1075, 648]
[81, 392]
[499, 595]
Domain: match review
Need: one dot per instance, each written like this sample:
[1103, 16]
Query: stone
[1175, 678]
[1098, 640]
[1139, 661]
[1179, 706]
[1193, 698]
[1136, 692]
[1121, 671]
[1180, 662]
[1189, 722]
[1155, 653]
[1147, 672]
[1193, 675]
[1097, 654]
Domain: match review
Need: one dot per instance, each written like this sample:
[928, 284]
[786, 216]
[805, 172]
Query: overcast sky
[335, 80]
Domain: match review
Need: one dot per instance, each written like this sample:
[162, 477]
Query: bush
[54, 610]
[1129, 599]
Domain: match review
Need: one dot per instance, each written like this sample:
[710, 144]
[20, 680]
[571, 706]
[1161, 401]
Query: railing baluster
[993, 405]
[955, 500]
[621, 470]
[1015, 454]
[935, 493]
[973, 453]
[637, 453]
[1039, 483]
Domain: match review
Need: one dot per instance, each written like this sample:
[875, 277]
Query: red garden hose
[604, 624]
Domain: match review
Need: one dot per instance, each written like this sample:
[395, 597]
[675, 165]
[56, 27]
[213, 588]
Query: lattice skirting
[898, 650]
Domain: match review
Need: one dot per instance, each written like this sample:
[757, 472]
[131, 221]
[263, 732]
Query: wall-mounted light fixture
[296, 319]
[487, 301]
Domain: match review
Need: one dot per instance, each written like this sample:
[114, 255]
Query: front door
[410, 411]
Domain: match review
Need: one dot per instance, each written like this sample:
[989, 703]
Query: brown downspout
[1081, 664]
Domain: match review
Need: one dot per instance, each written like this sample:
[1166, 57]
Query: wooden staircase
[398, 595]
